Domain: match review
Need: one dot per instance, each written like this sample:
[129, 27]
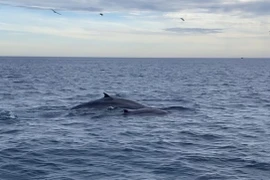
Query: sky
[135, 28]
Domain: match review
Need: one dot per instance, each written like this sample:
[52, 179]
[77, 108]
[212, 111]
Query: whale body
[110, 101]
[145, 111]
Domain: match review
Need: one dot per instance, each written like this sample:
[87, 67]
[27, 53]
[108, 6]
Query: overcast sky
[135, 28]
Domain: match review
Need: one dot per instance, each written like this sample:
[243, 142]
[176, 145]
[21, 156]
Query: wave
[166, 100]
[177, 108]
[7, 115]
[258, 165]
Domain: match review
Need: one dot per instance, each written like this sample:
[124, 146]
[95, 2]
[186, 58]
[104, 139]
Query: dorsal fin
[106, 95]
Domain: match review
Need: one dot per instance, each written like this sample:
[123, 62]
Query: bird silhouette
[55, 12]
[182, 19]
[101, 14]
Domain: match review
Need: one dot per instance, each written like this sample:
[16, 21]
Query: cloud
[193, 30]
[258, 8]
[254, 7]
[52, 5]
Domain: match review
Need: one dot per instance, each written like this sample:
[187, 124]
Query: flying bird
[55, 12]
[182, 19]
[101, 14]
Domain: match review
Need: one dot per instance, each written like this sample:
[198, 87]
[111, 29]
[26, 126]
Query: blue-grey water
[218, 126]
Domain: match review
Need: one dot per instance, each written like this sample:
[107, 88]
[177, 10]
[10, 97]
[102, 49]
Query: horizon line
[131, 57]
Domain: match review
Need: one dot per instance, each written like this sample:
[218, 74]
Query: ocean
[218, 125]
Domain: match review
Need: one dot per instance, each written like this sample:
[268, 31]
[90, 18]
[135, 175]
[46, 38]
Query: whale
[145, 111]
[110, 102]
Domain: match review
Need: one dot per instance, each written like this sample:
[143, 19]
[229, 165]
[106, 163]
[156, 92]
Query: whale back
[110, 101]
[145, 111]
